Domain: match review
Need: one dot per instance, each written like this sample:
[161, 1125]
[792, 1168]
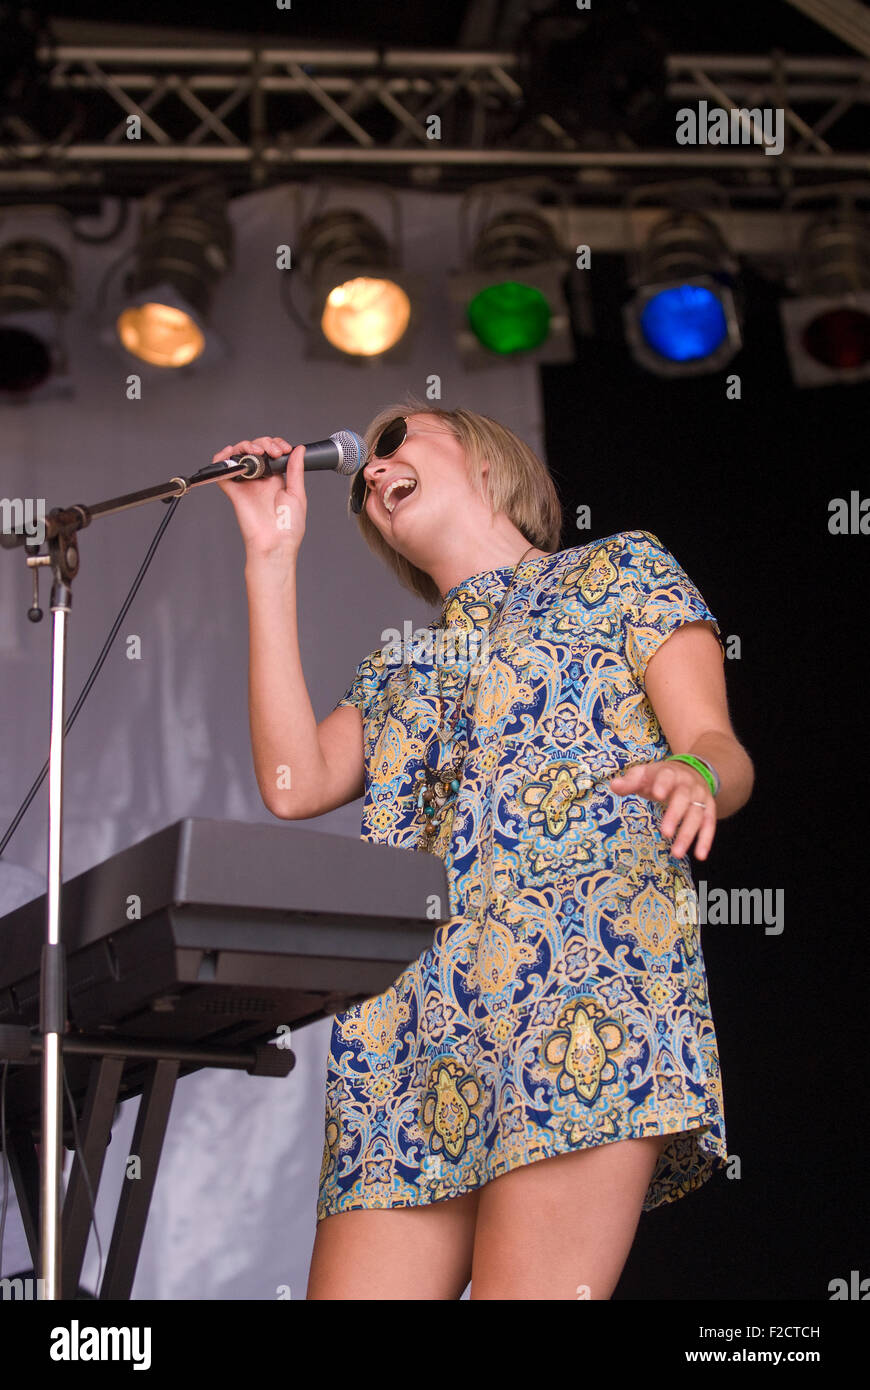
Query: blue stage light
[684, 323]
[684, 317]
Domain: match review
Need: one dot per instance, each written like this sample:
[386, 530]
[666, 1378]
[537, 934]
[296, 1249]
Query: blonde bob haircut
[517, 483]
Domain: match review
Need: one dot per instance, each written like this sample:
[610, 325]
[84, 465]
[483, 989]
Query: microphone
[343, 451]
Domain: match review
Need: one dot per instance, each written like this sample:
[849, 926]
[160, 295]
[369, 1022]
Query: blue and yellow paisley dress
[564, 1004]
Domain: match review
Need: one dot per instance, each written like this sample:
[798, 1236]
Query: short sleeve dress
[564, 1004]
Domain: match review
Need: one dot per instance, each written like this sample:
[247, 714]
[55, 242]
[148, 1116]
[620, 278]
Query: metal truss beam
[845, 18]
[260, 114]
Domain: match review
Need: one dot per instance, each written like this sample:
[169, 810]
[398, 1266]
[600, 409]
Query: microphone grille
[353, 451]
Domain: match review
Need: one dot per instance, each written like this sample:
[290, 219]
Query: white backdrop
[166, 736]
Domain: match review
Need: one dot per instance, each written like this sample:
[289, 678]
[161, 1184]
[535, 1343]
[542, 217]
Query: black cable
[97, 667]
[85, 1174]
[99, 302]
[100, 238]
[80, 1152]
[287, 304]
[5, 1161]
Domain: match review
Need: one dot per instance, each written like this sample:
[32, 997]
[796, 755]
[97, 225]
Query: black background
[741, 26]
[738, 491]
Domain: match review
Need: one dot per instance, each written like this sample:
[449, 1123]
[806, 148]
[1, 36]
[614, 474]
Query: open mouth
[398, 490]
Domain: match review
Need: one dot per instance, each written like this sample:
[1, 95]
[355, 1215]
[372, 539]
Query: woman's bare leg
[562, 1227]
[419, 1252]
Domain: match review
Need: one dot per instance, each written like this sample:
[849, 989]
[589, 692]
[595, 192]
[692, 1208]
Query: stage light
[35, 292]
[827, 324]
[365, 315]
[684, 323]
[510, 317]
[510, 302]
[183, 251]
[682, 319]
[361, 301]
[839, 339]
[161, 334]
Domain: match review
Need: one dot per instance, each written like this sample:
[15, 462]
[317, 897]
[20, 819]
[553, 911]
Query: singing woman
[548, 1068]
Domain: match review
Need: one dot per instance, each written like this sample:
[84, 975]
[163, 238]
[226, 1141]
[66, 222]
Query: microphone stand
[61, 533]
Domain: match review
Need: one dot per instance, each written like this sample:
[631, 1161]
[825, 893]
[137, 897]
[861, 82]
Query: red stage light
[840, 339]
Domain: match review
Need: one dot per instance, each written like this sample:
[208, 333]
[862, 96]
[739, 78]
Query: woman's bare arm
[685, 684]
[303, 768]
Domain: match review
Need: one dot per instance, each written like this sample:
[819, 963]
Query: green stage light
[510, 317]
[510, 299]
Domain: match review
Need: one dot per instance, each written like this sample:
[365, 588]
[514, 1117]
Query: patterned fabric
[564, 1004]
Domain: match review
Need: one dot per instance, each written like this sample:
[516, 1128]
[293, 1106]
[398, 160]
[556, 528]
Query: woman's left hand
[678, 786]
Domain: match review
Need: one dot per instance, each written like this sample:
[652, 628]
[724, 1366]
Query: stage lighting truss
[36, 291]
[257, 110]
[826, 323]
[184, 248]
[362, 303]
[683, 318]
[509, 301]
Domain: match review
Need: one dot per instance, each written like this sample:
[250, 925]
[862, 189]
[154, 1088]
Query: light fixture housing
[36, 292]
[510, 302]
[362, 303]
[683, 318]
[826, 324]
[182, 253]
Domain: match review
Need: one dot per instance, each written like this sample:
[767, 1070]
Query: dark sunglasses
[391, 438]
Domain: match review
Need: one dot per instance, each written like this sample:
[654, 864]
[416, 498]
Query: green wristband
[704, 768]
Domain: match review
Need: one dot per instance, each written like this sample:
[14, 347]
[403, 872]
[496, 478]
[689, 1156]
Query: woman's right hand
[270, 511]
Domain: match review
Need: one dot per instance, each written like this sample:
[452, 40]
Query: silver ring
[700, 803]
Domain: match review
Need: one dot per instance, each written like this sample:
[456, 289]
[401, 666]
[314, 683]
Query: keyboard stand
[162, 1064]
